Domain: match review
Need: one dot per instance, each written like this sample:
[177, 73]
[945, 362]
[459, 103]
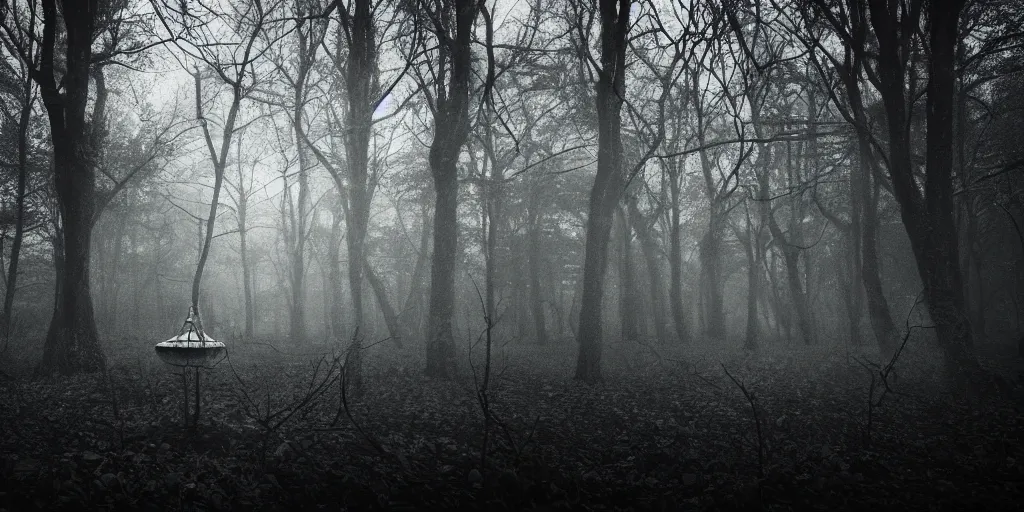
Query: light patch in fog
[385, 104]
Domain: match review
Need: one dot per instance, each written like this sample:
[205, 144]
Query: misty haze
[496, 255]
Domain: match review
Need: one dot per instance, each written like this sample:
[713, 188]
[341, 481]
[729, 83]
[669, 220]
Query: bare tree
[230, 64]
[355, 58]
[451, 26]
[19, 82]
[852, 30]
[242, 189]
[72, 343]
[608, 186]
[927, 212]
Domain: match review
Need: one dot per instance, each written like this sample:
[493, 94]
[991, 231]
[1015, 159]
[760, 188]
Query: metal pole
[184, 397]
[195, 417]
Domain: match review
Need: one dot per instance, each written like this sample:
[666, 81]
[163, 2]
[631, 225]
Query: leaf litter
[667, 430]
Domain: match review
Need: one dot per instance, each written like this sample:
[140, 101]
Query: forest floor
[668, 429]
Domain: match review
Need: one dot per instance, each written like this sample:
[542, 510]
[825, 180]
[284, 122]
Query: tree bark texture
[334, 272]
[675, 256]
[451, 129]
[381, 294]
[629, 301]
[242, 211]
[649, 250]
[72, 342]
[939, 244]
[536, 262]
[608, 184]
[413, 308]
[928, 216]
[24, 117]
[752, 246]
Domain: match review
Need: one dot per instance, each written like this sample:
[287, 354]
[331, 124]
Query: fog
[438, 254]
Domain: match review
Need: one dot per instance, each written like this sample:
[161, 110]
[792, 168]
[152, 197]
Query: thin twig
[757, 422]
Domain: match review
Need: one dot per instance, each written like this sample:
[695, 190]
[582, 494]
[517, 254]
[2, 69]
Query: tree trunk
[937, 241]
[361, 82]
[219, 163]
[797, 294]
[207, 240]
[588, 363]
[751, 244]
[334, 272]
[649, 249]
[927, 218]
[847, 278]
[135, 312]
[790, 253]
[297, 255]
[157, 298]
[451, 128]
[109, 256]
[242, 212]
[710, 247]
[72, 343]
[711, 274]
[865, 190]
[975, 296]
[608, 184]
[101, 256]
[854, 258]
[390, 317]
[628, 299]
[243, 251]
[440, 338]
[774, 299]
[113, 297]
[24, 118]
[412, 311]
[675, 260]
[535, 262]
[882, 324]
[300, 209]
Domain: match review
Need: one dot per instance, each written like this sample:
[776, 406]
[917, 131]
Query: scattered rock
[475, 477]
[109, 480]
[284, 451]
[91, 457]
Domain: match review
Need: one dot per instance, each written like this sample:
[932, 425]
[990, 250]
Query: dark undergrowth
[667, 430]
